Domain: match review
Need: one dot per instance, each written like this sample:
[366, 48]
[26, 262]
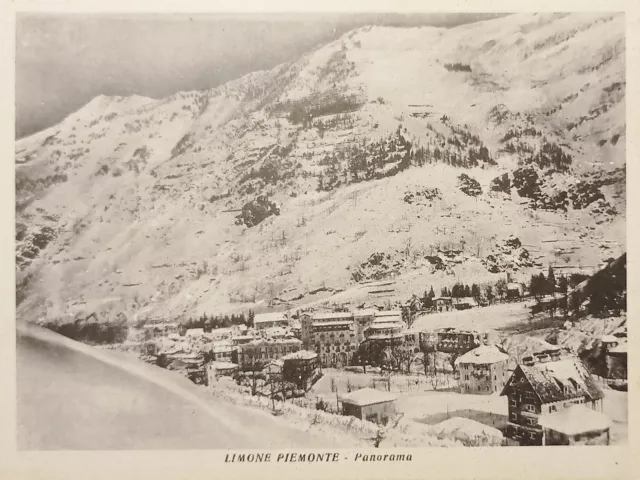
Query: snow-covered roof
[364, 312]
[223, 348]
[274, 331]
[270, 317]
[560, 379]
[242, 337]
[222, 365]
[465, 300]
[274, 363]
[575, 420]
[483, 355]
[514, 286]
[465, 427]
[300, 355]
[331, 324]
[388, 319]
[384, 325]
[619, 349]
[384, 336]
[271, 341]
[195, 332]
[388, 313]
[331, 315]
[367, 396]
[610, 339]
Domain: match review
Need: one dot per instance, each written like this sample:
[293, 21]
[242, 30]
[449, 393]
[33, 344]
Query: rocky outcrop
[421, 197]
[509, 256]
[257, 211]
[501, 184]
[469, 186]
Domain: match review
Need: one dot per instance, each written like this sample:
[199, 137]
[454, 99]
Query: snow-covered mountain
[406, 156]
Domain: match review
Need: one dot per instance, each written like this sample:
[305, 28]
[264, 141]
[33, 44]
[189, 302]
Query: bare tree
[253, 373]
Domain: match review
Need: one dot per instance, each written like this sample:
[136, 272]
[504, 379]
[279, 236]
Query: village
[423, 361]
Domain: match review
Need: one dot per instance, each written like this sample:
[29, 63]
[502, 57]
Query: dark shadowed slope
[72, 396]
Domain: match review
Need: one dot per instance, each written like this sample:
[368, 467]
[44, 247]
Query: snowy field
[616, 407]
[419, 402]
[493, 317]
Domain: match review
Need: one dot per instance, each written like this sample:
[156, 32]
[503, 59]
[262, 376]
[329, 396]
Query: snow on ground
[493, 317]
[466, 428]
[156, 223]
[616, 406]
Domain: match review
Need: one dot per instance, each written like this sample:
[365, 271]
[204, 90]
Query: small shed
[220, 369]
[369, 404]
[575, 425]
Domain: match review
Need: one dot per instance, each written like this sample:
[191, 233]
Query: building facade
[484, 370]
[370, 405]
[332, 335]
[452, 340]
[543, 384]
[301, 368]
[262, 351]
[362, 319]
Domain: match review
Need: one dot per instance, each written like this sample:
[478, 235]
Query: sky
[65, 60]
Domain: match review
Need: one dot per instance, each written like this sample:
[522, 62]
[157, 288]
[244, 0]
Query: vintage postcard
[343, 244]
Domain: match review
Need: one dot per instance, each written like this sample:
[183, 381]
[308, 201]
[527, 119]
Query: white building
[268, 320]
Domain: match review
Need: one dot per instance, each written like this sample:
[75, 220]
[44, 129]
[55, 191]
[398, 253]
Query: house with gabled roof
[544, 383]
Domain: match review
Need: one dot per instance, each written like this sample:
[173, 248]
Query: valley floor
[494, 317]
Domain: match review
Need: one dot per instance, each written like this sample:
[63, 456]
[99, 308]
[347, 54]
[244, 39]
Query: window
[530, 408]
[512, 401]
[552, 408]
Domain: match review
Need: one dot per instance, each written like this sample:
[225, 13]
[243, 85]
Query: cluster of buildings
[335, 337]
[552, 398]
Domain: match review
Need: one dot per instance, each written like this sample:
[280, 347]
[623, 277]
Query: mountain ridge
[105, 200]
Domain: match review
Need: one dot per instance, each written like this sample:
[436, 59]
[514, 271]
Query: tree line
[211, 322]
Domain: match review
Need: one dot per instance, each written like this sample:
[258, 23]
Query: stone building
[262, 351]
[484, 370]
[332, 335]
[362, 319]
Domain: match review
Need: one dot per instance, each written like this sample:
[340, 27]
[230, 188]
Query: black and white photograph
[320, 231]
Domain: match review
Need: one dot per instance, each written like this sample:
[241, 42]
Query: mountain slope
[129, 205]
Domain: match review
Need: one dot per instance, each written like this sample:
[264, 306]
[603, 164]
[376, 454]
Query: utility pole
[273, 399]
